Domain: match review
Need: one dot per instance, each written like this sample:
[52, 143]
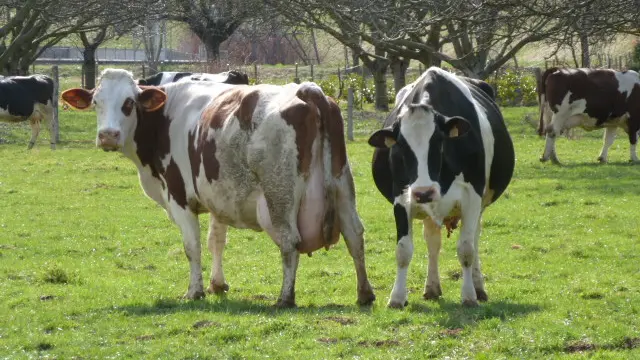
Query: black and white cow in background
[443, 156]
[28, 98]
[166, 77]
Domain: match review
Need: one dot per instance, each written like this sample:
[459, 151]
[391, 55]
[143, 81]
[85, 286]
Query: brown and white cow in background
[591, 99]
[261, 157]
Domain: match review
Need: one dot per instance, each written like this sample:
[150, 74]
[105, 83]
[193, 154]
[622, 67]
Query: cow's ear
[454, 127]
[383, 138]
[77, 98]
[152, 99]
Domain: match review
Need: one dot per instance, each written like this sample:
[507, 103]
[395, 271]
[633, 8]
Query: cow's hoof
[366, 298]
[218, 289]
[397, 304]
[194, 295]
[470, 303]
[285, 304]
[432, 293]
[482, 295]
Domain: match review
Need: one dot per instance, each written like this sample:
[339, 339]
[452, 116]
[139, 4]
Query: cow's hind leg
[190, 228]
[467, 250]
[478, 278]
[607, 141]
[34, 121]
[634, 126]
[352, 231]
[216, 242]
[550, 149]
[433, 236]
[290, 259]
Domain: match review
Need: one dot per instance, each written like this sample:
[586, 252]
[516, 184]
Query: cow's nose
[109, 139]
[424, 194]
[113, 134]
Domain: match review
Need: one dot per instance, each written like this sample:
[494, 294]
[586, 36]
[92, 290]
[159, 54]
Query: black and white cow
[227, 77]
[444, 155]
[28, 98]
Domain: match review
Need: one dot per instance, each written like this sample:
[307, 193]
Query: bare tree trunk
[399, 69]
[378, 68]
[315, 45]
[584, 45]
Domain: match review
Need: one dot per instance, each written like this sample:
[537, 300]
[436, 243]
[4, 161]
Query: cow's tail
[333, 146]
[542, 97]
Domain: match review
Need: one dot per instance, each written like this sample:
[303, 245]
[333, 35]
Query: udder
[310, 215]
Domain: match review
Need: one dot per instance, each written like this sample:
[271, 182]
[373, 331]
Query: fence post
[144, 71]
[55, 133]
[255, 72]
[419, 69]
[350, 114]
[311, 71]
[296, 79]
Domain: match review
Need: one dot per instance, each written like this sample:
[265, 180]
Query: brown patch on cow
[332, 125]
[195, 158]
[451, 223]
[207, 149]
[152, 139]
[302, 117]
[175, 184]
[127, 106]
[246, 109]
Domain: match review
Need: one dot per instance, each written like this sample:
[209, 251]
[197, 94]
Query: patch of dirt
[46, 297]
[379, 343]
[341, 320]
[579, 346]
[455, 275]
[144, 337]
[327, 340]
[204, 323]
[262, 297]
[630, 343]
[451, 332]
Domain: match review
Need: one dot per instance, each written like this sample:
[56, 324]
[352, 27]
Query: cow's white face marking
[417, 127]
[116, 88]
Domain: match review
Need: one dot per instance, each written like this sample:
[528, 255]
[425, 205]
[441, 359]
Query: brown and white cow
[591, 99]
[264, 157]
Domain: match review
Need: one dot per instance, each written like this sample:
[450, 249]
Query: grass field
[91, 268]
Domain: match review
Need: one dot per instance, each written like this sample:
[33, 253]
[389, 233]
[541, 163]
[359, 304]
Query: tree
[32, 26]
[213, 21]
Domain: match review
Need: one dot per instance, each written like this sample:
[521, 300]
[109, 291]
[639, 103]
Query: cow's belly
[310, 214]
[6, 116]
[232, 205]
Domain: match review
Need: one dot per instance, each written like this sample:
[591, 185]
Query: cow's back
[18, 94]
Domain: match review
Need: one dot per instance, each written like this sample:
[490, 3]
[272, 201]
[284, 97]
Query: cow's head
[115, 100]
[424, 146]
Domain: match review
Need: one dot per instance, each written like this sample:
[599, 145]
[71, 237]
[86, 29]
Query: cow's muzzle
[109, 139]
[423, 195]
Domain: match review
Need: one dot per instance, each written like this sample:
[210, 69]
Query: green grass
[91, 268]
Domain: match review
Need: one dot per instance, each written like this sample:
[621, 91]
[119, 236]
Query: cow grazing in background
[227, 77]
[28, 98]
[591, 99]
[443, 156]
[264, 157]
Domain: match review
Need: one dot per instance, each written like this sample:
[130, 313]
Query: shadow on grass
[454, 315]
[235, 306]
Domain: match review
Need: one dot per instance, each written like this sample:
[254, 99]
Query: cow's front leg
[188, 223]
[34, 121]
[433, 235]
[607, 141]
[290, 258]
[216, 242]
[467, 251]
[404, 253]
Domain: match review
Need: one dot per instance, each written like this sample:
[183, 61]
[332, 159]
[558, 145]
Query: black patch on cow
[180, 75]
[151, 80]
[152, 139]
[402, 221]
[482, 85]
[175, 184]
[18, 94]
[195, 158]
[237, 78]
